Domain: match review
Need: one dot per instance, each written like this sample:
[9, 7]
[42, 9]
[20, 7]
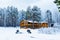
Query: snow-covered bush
[48, 30]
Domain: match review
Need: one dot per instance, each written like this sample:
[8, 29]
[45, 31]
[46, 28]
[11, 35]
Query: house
[29, 24]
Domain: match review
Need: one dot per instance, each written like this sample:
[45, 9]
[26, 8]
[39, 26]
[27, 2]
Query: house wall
[25, 24]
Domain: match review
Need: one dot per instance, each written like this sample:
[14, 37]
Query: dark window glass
[28, 22]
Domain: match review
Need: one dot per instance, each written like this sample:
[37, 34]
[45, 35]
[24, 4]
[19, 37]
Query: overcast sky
[22, 4]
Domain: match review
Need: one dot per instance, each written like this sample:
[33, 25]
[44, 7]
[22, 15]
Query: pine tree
[28, 13]
[1, 17]
[36, 14]
[49, 17]
[12, 16]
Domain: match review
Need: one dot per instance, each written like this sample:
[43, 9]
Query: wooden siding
[26, 24]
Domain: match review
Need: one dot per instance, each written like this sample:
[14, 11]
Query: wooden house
[29, 24]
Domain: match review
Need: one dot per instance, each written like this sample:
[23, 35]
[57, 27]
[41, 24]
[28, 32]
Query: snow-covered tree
[36, 14]
[49, 17]
[12, 16]
[5, 15]
[1, 17]
[23, 15]
[28, 13]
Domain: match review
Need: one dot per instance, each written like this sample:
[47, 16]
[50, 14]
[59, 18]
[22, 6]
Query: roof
[36, 21]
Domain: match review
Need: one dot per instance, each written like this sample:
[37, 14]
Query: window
[28, 22]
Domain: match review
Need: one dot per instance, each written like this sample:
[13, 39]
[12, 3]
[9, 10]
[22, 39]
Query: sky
[21, 4]
[44, 5]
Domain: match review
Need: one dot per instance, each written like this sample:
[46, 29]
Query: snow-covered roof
[32, 21]
[36, 21]
[43, 22]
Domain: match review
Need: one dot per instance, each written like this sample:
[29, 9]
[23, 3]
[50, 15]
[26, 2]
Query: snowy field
[9, 33]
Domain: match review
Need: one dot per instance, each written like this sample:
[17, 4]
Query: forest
[11, 17]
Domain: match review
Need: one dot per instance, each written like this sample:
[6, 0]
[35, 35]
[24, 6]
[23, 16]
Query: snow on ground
[9, 33]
